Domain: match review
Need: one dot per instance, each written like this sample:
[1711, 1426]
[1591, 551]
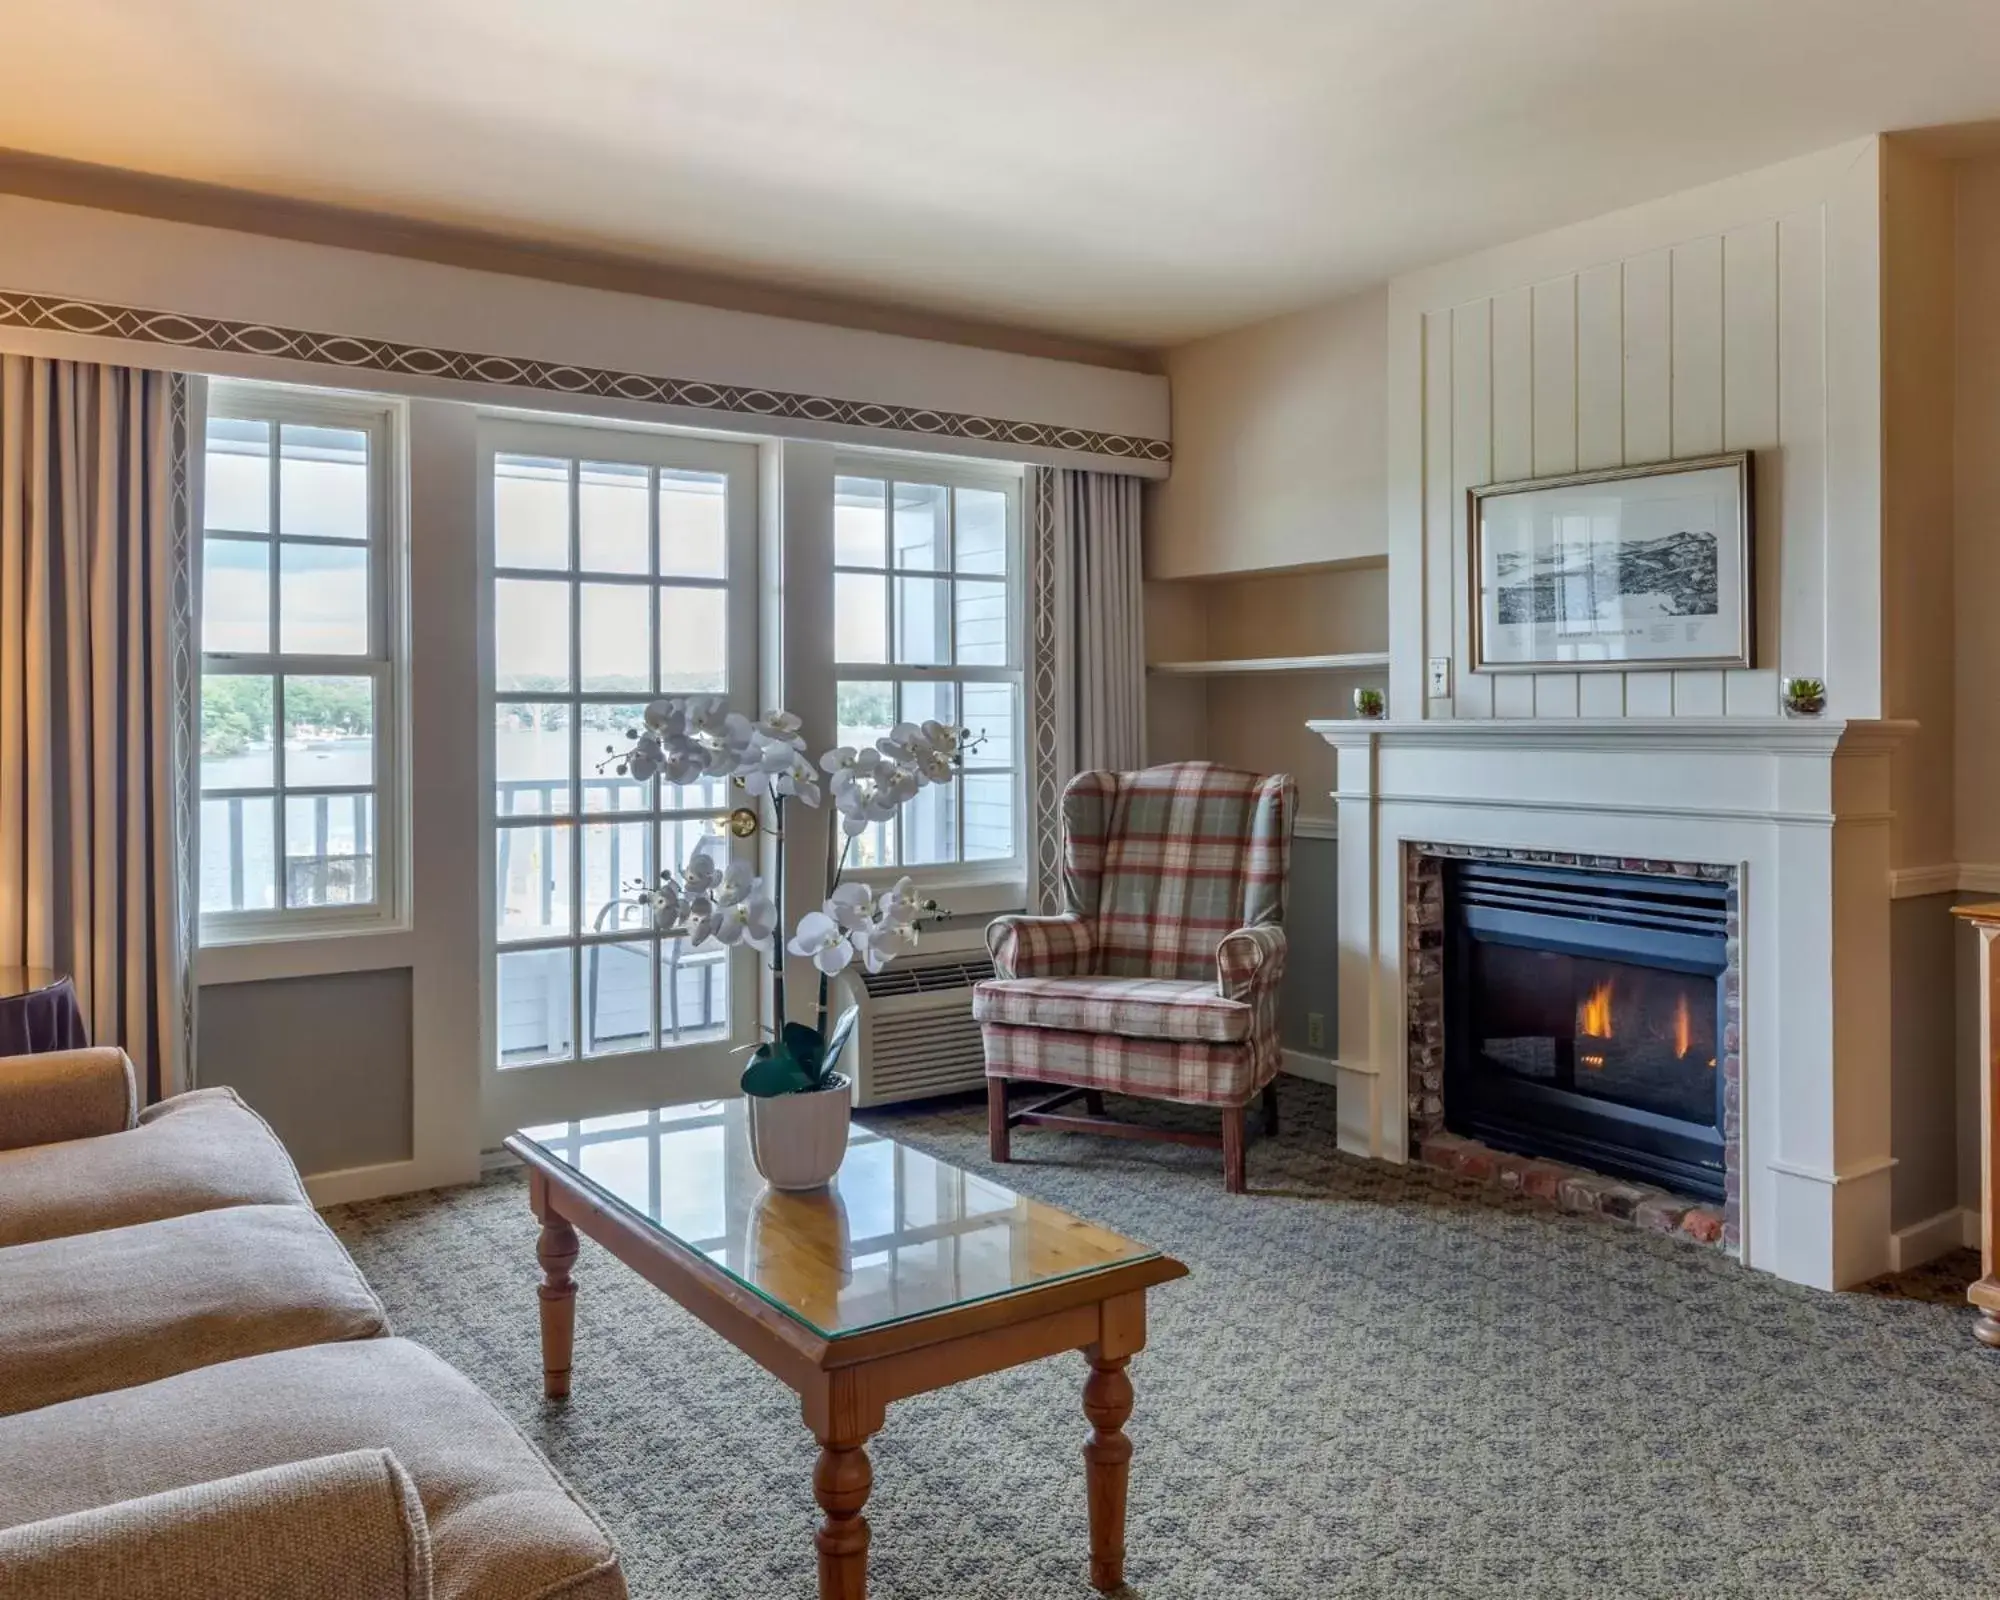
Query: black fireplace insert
[1583, 1018]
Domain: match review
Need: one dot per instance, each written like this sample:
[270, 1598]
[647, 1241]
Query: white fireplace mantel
[1799, 806]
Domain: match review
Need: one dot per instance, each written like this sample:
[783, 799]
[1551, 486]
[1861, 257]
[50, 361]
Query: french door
[616, 566]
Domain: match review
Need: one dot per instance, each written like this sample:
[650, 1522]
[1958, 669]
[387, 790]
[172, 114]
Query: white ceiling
[1142, 171]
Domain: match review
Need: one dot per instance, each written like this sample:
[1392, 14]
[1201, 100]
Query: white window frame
[976, 886]
[524, 1093]
[384, 421]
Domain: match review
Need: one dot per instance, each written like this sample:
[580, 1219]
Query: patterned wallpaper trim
[49, 313]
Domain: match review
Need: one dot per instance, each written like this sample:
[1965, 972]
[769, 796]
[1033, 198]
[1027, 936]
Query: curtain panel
[1086, 647]
[97, 734]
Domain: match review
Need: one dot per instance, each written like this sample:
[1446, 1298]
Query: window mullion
[576, 1051]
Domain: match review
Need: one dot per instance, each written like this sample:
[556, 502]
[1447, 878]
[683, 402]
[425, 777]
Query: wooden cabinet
[1985, 1294]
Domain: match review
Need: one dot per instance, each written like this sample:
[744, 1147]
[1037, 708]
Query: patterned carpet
[1377, 1381]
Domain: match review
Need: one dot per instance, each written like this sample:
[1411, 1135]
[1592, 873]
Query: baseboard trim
[378, 1182]
[1911, 883]
[1318, 1069]
[1934, 1236]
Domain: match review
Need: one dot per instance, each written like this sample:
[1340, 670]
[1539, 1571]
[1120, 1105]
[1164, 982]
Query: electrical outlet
[1440, 677]
[1316, 1029]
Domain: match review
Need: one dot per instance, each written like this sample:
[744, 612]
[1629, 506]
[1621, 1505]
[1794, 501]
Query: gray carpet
[1376, 1382]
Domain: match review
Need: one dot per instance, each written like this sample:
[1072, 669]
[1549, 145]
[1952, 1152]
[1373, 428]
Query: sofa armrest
[340, 1527]
[66, 1094]
[1039, 947]
[1250, 959]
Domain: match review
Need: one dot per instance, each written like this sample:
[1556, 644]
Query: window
[299, 692]
[620, 566]
[927, 626]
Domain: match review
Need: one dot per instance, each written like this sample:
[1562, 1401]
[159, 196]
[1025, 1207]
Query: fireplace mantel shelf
[1821, 735]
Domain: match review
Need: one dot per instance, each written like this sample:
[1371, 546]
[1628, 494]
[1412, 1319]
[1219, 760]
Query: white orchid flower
[823, 940]
[781, 727]
[701, 873]
[739, 883]
[750, 921]
[706, 714]
[843, 761]
[664, 716]
[848, 905]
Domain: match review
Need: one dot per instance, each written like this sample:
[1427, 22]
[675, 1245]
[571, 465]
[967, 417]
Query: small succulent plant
[1369, 703]
[1805, 697]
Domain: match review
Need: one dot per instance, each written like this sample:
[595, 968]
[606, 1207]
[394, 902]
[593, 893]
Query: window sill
[304, 953]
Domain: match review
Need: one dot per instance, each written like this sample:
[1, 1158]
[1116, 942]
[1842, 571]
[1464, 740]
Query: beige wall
[1277, 446]
[1917, 452]
[1976, 522]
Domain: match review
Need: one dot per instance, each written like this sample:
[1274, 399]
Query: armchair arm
[66, 1094]
[1039, 947]
[1250, 959]
[340, 1527]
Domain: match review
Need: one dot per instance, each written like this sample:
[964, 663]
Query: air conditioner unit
[917, 1036]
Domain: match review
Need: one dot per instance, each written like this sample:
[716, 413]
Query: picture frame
[1617, 569]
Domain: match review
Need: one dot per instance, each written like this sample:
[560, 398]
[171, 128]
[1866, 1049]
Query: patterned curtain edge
[1048, 737]
[183, 401]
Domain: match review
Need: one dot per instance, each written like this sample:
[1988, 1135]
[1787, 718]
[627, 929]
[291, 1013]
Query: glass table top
[897, 1235]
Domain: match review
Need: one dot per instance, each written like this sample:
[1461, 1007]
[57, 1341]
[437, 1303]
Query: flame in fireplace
[1683, 1027]
[1593, 1017]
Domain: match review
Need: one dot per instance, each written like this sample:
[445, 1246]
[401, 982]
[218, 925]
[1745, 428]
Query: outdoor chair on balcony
[1160, 979]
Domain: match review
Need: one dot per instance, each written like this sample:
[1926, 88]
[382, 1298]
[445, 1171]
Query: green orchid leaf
[774, 1072]
[804, 1045]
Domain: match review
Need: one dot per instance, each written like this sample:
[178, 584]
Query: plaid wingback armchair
[1160, 978]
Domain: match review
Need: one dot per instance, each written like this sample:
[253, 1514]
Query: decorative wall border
[1423, 989]
[355, 354]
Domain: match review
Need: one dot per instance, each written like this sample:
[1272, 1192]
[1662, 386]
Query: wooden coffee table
[907, 1275]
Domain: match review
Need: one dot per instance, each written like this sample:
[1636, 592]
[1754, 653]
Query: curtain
[96, 698]
[1087, 653]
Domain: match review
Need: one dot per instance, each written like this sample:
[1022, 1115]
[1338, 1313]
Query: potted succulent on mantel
[799, 1101]
[1805, 697]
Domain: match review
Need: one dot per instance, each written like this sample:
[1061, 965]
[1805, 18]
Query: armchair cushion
[1191, 1071]
[502, 1525]
[95, 1311]
[65, 1094]
[339, 1527]
[1039, 947]
[194, 1152]
[1138, 1008]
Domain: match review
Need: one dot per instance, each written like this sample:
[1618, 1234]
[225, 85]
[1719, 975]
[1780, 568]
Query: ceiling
[1133, 171]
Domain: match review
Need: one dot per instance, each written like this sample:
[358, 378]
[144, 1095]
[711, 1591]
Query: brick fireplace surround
[1571, 1188]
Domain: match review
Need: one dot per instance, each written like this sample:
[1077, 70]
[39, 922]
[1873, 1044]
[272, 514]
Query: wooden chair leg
[996, 1119]
[1233, 1178]
[1093, 1102]
[1271, 1109]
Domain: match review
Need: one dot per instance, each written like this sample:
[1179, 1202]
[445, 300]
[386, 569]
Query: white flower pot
[799, 1140]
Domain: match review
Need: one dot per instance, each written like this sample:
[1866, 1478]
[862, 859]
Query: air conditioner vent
[936, 977]
[914, 1055]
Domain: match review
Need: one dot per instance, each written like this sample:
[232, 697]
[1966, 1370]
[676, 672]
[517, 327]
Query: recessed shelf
[1352, 661]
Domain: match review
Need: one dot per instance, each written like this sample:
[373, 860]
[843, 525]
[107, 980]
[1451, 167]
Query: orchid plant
[698, 737]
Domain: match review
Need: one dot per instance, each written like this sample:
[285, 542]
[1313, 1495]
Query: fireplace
[1583, 1018]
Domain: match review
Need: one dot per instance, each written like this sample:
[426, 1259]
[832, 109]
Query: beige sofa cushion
[194, 1152]
[502, 1526]
[105, 1310]
[345, 1527]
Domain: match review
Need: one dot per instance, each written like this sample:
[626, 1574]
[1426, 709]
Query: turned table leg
[1987, 1329]
[556, 1250]
[1107, 1457]
[841, 1482]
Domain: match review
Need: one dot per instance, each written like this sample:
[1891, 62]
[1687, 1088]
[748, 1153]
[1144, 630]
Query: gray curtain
[96, 698]
[1087, 651]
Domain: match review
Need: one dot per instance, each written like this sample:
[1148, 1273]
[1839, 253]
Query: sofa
[207, 1391]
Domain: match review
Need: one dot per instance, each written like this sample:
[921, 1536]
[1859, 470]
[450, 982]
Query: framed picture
[1604, 570]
